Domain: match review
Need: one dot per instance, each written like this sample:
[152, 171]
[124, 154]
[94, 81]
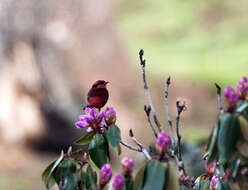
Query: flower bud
[162, 143]
[127, 165]
[110, 116]
[118, 182]
[242, 88]
[210, 167]
[231, 97]
[105, 175]
[214, 182]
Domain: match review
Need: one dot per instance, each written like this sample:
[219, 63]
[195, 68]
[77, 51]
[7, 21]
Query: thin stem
[131, 147]
[145, 152]
[166, 94]
[147, 92]
[235, 171]
[147, 110]
[180, 108]
[219, 98]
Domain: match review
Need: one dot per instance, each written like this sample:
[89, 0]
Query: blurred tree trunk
[44, 48]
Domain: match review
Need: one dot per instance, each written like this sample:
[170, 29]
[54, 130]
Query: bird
[98, 94]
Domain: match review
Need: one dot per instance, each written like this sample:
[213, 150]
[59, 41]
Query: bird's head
[100, 84]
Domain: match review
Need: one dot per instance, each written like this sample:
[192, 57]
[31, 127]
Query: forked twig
[166, 94]
[180, 108]
[147, 110]
[147, 92]
[145, 152]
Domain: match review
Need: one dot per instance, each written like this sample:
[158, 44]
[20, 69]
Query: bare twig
[168, 111]
[219, 98]
[145, 152]
[147, 110]
[180, 108]
[147, 92]
[131, 147]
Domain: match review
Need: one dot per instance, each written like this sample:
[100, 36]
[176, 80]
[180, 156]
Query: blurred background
[51, 52]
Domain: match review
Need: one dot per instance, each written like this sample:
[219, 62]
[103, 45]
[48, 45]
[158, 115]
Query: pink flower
[214, 182]
[118, 182]
[127, 165]
[162, 143]
[242, 88]
[110, 116]
[210, 167]
[231, 97]
[92, 120]
[105, 175]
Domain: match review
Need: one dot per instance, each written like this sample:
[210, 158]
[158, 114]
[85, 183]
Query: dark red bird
[98, 94]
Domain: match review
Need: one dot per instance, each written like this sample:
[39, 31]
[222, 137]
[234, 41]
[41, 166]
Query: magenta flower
[105, 175]
[242, 88]
[210, 167]
[162, 143]
[127, 165]
[214, 182]
[118, 182]
[231, 97]
[110, 116]
[92, 120]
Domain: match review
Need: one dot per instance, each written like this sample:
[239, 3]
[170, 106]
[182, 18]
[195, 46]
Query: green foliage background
[201, 40]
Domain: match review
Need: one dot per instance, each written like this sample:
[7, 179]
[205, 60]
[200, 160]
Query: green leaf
[81, 178]
[212, 145]
[65, 174]
[244, 127]
[154, 176]
[204, 185]
[86, 139]
[78, 155]
[113, 135]
[242, 147]
[91, 178]
[138, 181]
[243, 106]
[128, 184]
[98, 150]
[47, 177]
[228, 136]
[118, 149]
[184, 188]
[223, 186]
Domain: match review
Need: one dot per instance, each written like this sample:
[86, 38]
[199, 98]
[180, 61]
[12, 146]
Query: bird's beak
[106, 82]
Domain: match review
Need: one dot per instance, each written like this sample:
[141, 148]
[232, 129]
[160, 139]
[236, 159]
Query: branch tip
[130, 132]
[168, 81]
[218, 88]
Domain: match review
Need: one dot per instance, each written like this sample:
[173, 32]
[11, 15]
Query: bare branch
[168, 111]
[180, 108]
[147, 92]
[219, 98]
[131, 147]
[147, 110]
[145, 152]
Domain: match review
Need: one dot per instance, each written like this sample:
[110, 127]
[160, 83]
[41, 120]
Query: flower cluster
[233, 96]
[93, 120]
[127, 165]
[118, 182]
[162, 143]
[242, 88]
[105, 175]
